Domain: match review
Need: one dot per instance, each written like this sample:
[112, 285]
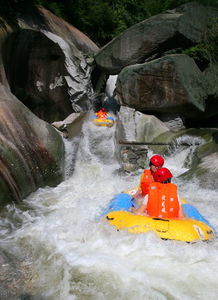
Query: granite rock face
[48, 63]
[172, 83]
[32, 152]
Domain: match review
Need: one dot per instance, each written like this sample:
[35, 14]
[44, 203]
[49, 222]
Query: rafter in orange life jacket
[163, 200]
[146, 180]
[101, 114]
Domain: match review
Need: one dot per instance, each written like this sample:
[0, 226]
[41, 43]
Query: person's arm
[137, 195]
[138, 192]
[139, 186]
[181, 215]
[142, 209]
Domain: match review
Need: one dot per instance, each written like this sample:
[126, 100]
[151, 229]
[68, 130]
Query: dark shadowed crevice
[208, 118]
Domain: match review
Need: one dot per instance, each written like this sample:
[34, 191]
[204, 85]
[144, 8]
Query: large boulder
[134, 132]
[177, 28]
[5, 30]
[32, 152]
[172, 83]
[37, 75]
[135, 127]
[48, 63]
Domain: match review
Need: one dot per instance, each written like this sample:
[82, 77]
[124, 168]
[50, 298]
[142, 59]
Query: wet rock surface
[32, 152]
[133, 157]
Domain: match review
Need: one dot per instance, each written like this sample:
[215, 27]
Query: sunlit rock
[133, 133]
[111, 85]
[133, 126]
[72, 125]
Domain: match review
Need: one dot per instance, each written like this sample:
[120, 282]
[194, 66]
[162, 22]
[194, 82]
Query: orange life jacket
[163, 200]
[101, 114]
[146, 180]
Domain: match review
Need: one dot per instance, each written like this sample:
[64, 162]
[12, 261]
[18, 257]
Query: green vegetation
[199, 54]
[211, 40]
[101, 20]
[208, 49]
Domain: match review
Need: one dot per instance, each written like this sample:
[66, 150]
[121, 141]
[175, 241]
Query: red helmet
[103, 109]
[157, 160]
[162, 174]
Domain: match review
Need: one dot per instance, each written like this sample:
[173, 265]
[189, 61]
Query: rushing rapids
[75, 255]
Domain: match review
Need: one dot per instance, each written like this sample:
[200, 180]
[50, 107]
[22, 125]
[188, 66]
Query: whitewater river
[76, 255]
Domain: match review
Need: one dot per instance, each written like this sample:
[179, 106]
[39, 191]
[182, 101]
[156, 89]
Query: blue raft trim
[119, 202]
[191, 212]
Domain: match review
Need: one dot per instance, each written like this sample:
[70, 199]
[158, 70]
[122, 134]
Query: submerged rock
[15, 277]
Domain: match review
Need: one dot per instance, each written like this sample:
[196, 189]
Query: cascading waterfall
[76, 255]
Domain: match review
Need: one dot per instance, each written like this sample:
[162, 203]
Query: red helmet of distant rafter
[157, 160]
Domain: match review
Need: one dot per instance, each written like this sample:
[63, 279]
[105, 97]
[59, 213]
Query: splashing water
[78, 256]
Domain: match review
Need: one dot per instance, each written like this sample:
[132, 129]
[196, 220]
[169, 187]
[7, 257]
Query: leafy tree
[101, 20]
[95, 17]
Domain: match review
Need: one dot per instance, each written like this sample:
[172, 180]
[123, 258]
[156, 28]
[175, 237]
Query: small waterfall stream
[76, 255]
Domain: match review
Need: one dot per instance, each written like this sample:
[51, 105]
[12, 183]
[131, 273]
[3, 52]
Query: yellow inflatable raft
[187, 230]
[103, 122]
[193, 227]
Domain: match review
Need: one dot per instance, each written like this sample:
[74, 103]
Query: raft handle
[110, 219]
[161, 219]
[209, 231]
[163, 231]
